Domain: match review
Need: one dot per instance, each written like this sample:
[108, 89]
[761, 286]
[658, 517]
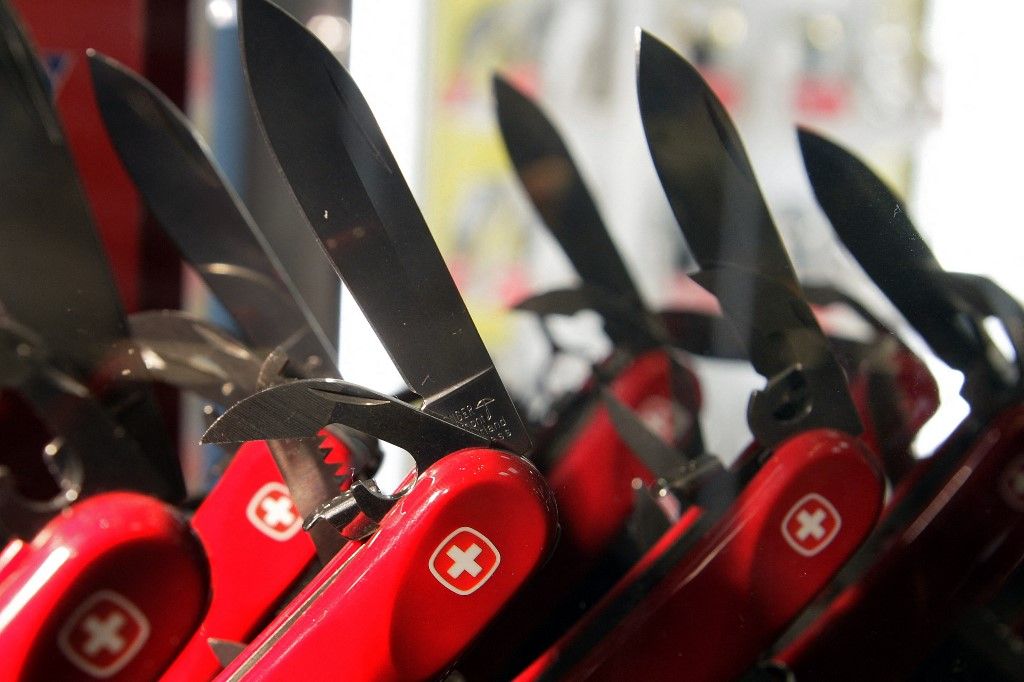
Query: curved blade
[716, 200]
[48, 239]
[554, 185]
[194, 355]
[198, 209]
[704, 169]
[873, 224]
[352, 192]
[300, 409]
[45, 226]
[659, 457]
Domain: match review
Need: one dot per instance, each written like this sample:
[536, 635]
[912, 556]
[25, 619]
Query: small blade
[637, 328]
[718, 204]
[299, 409]
[46, 231]
[193, 355]
[554, 185]
[658, 456]
[225, 650]
[874, 225]
[352, 192]
[196, 206]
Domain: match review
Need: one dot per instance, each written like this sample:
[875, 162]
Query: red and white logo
[811, 525]
[103, 634]
[1012, 484]
[464, 561]
[273, 513]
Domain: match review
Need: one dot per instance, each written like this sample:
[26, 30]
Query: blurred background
[926, 90]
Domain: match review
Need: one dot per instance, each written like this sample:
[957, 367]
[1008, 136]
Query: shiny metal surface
[718, 204]
[46, 231]
[344, 177]
[197, 207]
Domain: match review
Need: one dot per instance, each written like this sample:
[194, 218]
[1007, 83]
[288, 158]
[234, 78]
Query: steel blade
[299, 409]
[718, 204]
[874, 226]
[197, 207]
[558, 192]
[343, 175]
[660, 458]
[194, 355]
[45, 226]
[704, 168]
[48, 239]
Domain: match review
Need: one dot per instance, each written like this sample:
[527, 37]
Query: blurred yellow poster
[469, 182]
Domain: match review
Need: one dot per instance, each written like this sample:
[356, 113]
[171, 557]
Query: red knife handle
[592, 476]
[709, 615]
[952, 555]
[474, 526]
[110, 589]
[256, 547]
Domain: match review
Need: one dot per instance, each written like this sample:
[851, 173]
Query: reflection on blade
[716, 200]
[193, 355]
[344, 177]
[873, 224]
[658, 456]
[196, 206]
[299, 409]
[46, 231]
[554, 185]
[700, 159]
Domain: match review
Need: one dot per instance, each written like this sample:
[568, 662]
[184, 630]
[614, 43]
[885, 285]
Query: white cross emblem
[464, 571]
[810, 524]
[272, 512]
[277, 512]
[464, 562]
[103, 634]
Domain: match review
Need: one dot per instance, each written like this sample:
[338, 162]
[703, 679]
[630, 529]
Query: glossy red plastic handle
[256, 547]
[592, 478]
[110, 589]
[708, 615]
[955, 553]
[402, 606]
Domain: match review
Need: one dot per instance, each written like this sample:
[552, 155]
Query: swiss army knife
[808, 491]
[197, 208]
[430, 564]
[65, 346]
[607, 496]
[953, 531]
[251, 550]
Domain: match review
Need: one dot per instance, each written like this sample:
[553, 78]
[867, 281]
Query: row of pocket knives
[602, 541]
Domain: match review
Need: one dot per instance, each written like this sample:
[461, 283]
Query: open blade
[198, 209]
[54, 277]
[342, 174]
[45, 226]
[718, 204]
[299, 409]
[557, 191]
[703, 166]
[874, 226]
